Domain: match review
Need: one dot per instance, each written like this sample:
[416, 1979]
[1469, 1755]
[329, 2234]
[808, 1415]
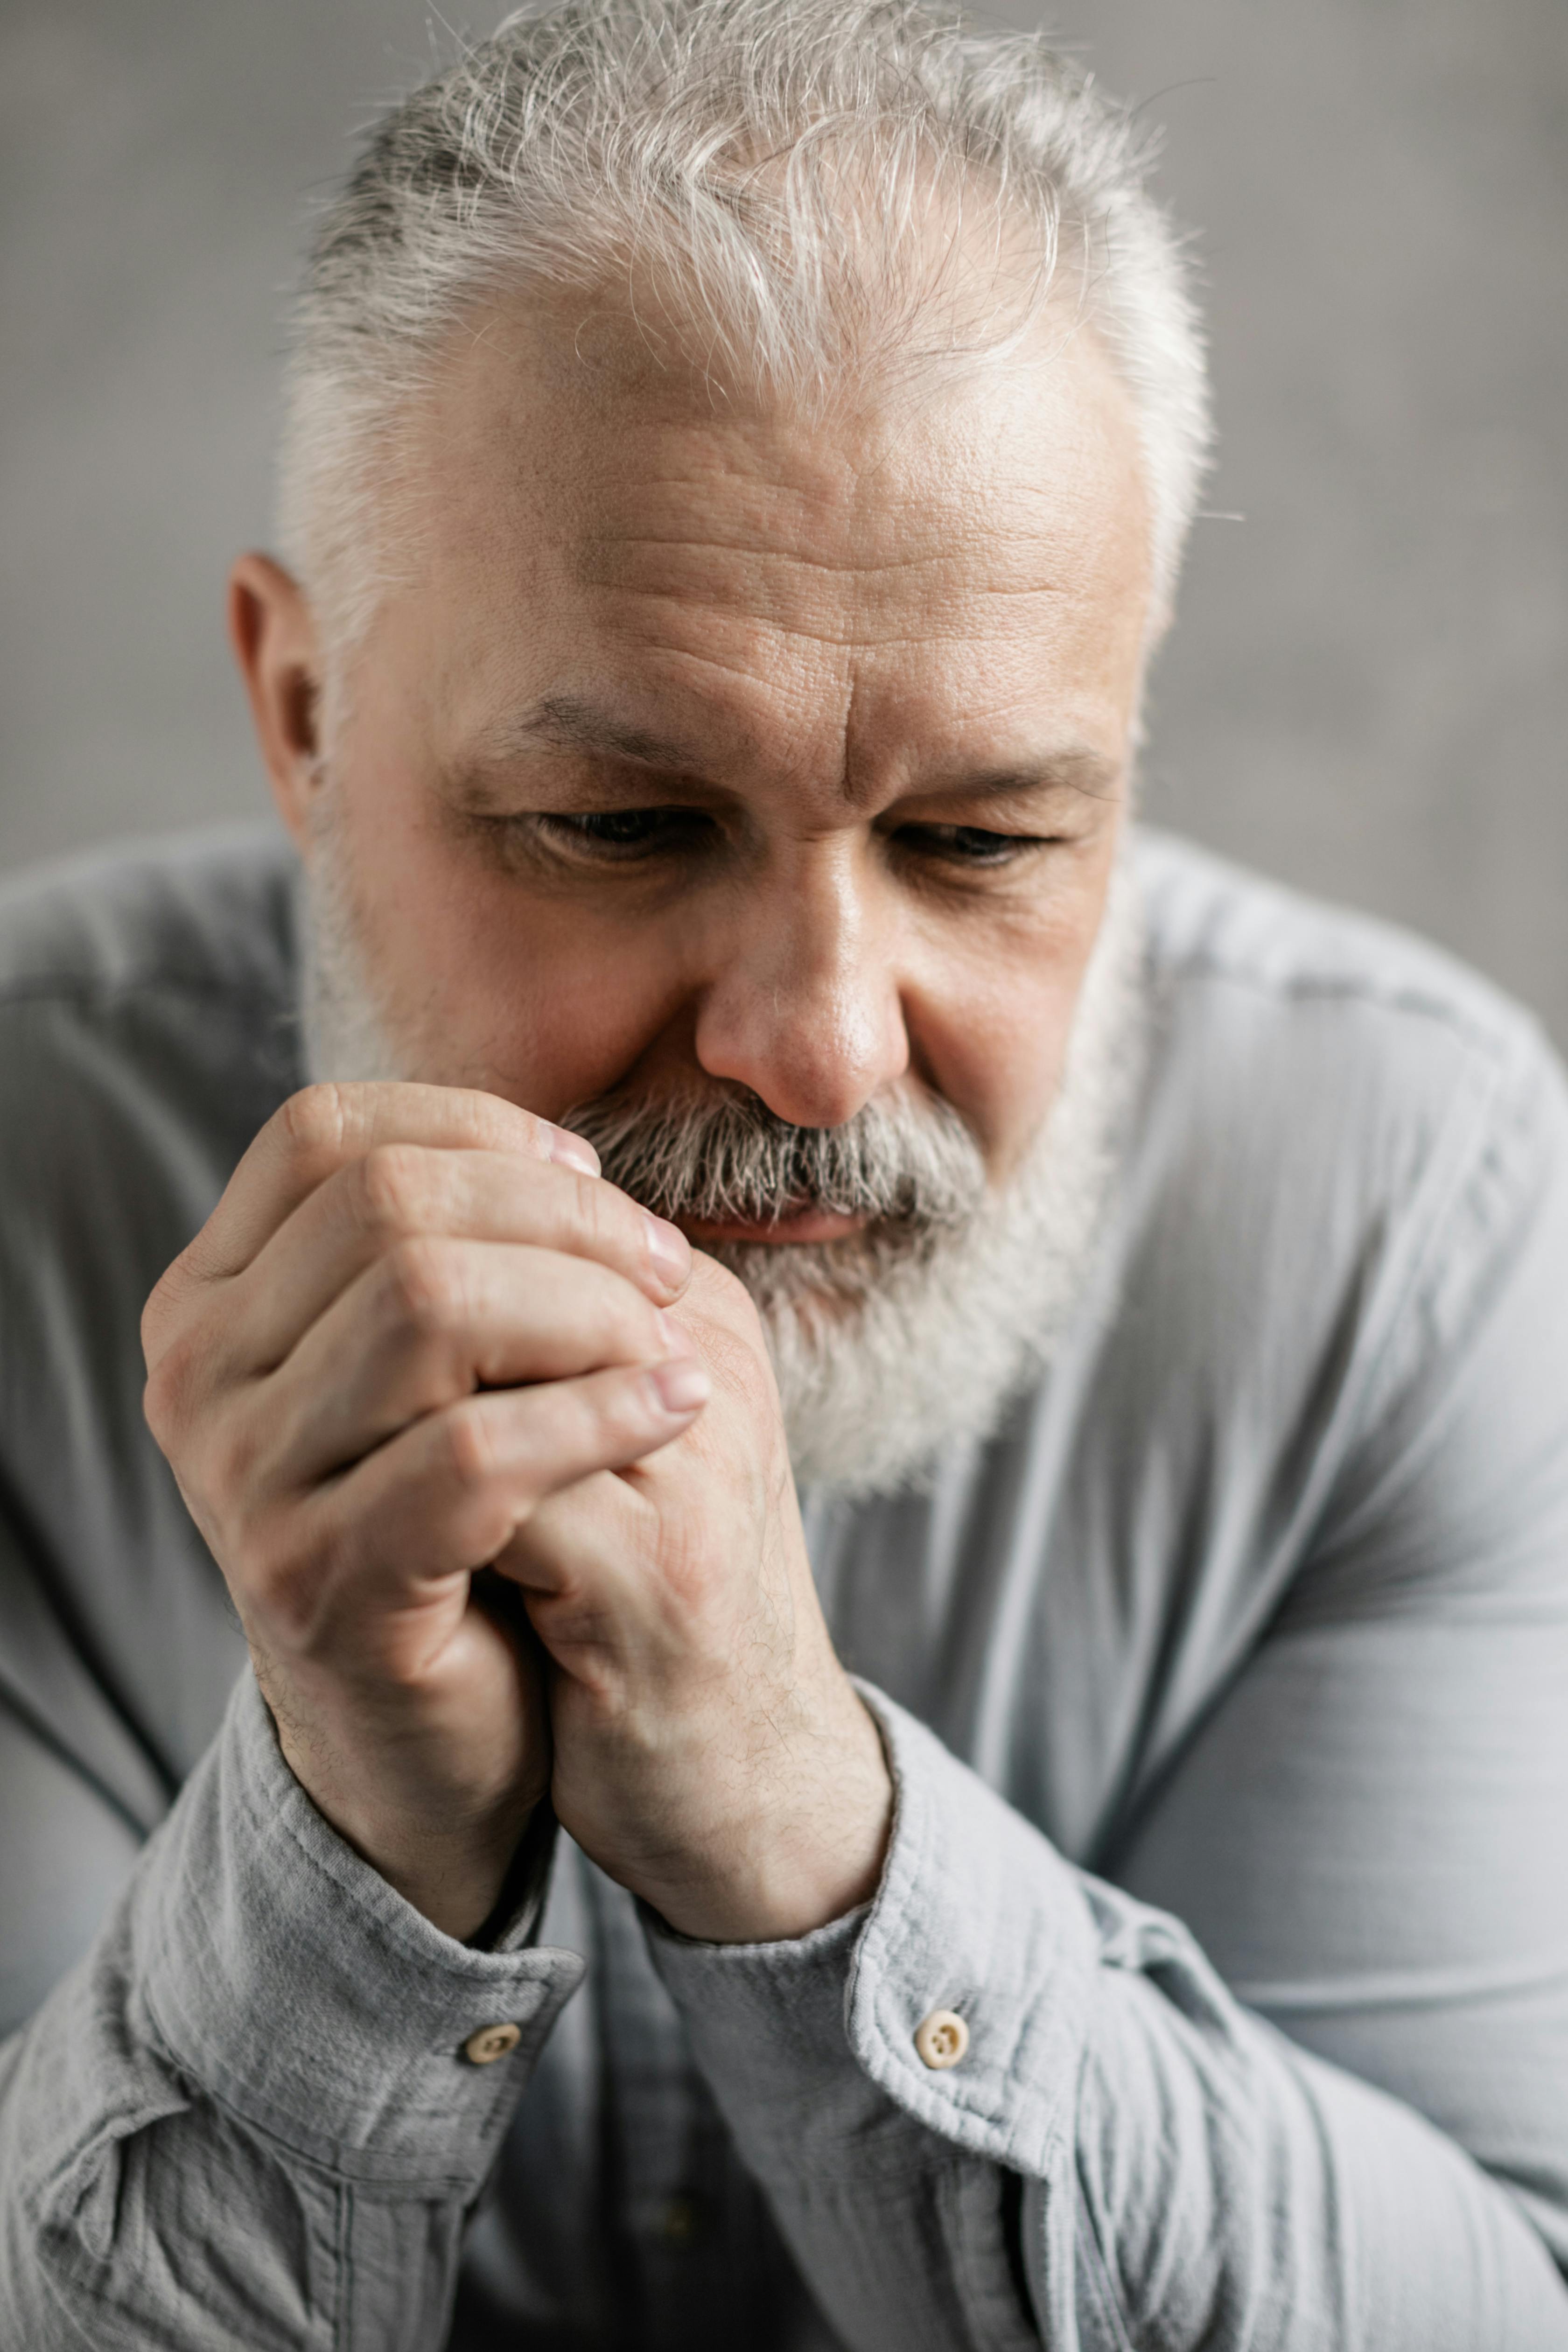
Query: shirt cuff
[976, 1914]
[295, 1986]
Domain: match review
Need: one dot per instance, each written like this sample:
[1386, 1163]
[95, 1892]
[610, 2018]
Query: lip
[801, 1226]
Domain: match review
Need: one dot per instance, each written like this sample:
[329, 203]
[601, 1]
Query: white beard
[916, 1334]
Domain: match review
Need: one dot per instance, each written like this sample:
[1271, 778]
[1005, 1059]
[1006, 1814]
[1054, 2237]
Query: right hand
[409, 1320]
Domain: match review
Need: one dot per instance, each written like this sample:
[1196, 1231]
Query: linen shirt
[1224, 1686]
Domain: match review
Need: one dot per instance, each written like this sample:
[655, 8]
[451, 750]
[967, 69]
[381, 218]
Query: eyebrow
[570, 722]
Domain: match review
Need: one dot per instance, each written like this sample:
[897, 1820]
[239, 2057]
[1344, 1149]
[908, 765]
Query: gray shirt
[1225, 1686]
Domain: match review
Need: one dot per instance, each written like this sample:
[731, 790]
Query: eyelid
[966, 824]
[1000, 849]
[671, 829]
[580, 820]
[1016, 826]
[572, 828]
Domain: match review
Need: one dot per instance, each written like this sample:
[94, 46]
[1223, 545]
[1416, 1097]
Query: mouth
[796, 1226]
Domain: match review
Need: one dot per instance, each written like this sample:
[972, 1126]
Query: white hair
[777, 165]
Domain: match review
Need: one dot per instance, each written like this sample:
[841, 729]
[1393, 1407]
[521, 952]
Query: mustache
[720, 1156]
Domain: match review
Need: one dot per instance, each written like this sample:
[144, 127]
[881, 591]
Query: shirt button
[491, 2043]
[943, 2040]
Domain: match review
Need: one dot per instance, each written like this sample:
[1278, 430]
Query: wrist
[798, 1865]
[445, 1856]
[459, 1888]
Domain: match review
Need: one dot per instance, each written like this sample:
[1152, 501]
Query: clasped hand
[417, 1340]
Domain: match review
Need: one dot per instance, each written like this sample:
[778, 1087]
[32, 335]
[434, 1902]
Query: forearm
[1187, 2177]
[249, 2115]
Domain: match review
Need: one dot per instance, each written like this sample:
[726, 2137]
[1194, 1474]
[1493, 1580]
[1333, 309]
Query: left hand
[710, 1753]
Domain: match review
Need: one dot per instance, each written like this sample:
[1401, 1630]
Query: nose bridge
[802, 1003]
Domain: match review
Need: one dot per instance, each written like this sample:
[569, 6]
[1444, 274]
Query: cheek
[488, 982]
[989, 1025]
[583, 1005]
[555, 1007]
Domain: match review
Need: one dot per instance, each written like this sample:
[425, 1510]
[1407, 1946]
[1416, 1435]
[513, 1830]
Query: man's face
[713, 744]
[745, 792]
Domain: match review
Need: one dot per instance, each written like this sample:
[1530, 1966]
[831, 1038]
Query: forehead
[938, 541]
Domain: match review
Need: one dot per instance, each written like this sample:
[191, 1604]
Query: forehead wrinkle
[1073, 764]
[953, 626]
[750, 536]
[940, 551]
[569, 719]
[838, 594]
[1079, 762]
[866, 528]
[849, 567]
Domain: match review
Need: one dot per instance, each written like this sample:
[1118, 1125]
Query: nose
[802, 1002]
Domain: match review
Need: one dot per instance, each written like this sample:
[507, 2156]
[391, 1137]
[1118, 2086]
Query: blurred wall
[1367, 691]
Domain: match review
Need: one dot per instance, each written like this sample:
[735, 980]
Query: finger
[401, 1191]
[448, 1495]
[427, 1324]
[591, 1532]
[323, 1127]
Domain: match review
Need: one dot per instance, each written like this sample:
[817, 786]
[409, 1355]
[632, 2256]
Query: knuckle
[425, 1285]
[469, 1445]
[292, 1562]
[236, 1456]
[492, 1123]
[615, 1415]
[512, 1127]
[313, 1124]
[172, 1385]
[629, 1325]
[159, 1405]
[394, 1190]
[163, 1306]
[619, 1413]
[606, 1218]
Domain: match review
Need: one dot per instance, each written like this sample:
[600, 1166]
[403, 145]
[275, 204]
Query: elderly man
[919, 1448]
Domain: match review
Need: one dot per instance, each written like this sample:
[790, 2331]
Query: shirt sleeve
[1299, 2080]
[251, 2115]
[1121, 2156]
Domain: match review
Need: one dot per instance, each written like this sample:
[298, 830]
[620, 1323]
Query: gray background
[1368, 690]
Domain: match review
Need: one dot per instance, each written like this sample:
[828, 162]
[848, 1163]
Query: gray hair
[775, 164]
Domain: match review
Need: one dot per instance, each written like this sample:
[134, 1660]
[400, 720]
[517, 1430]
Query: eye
[967, 845]
[627, 833]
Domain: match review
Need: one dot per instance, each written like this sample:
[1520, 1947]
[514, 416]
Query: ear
[273, 635]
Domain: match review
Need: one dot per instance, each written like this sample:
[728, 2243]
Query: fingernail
[682, 1385]
[559, 1143]
[669, 1249]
